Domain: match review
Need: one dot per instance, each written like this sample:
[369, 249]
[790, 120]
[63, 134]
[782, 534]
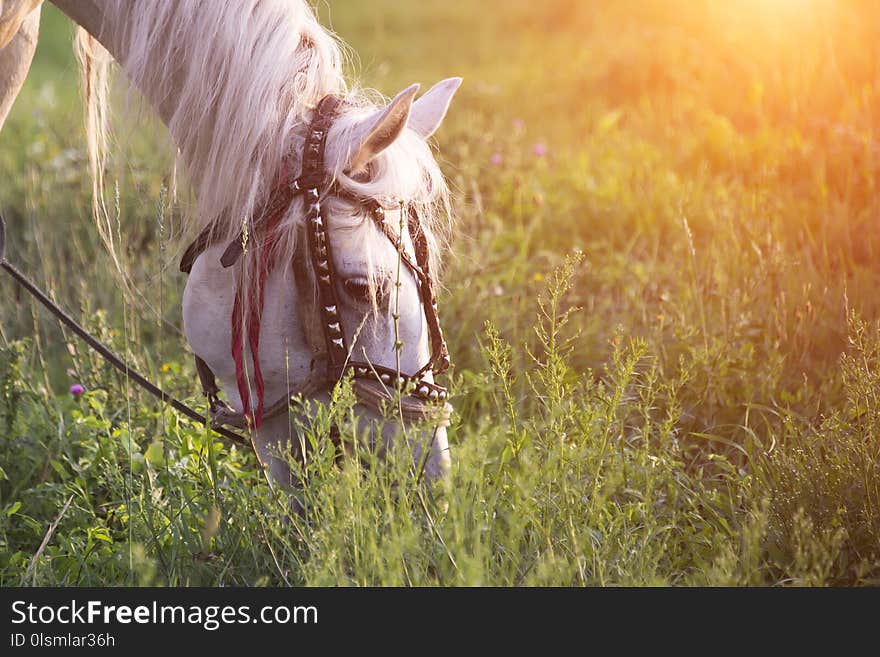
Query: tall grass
[661, 304]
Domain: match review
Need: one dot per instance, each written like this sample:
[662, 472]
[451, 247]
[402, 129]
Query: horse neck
[231, 124]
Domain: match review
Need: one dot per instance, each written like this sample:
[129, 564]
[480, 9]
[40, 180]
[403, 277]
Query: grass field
[661, 303]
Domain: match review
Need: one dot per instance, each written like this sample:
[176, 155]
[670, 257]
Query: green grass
[666, 329]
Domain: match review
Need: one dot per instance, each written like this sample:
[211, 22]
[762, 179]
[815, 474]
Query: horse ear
[380, 130]
[429, 110]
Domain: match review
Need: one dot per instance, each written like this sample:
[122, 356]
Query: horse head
[353, 294]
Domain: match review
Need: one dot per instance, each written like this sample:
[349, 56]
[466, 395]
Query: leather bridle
[315, 188]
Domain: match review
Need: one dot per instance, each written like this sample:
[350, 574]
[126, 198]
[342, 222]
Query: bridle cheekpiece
[313, 185]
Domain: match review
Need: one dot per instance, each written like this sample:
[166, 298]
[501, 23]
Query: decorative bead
[313, 194]
[385, 378]
[433, 395]
[423, 391]
[331, 310]
[335, 327]
[337, 342]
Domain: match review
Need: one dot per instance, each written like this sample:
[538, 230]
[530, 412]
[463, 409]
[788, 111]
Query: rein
[105, 351]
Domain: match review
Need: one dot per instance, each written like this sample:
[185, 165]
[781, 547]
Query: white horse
[237, 83]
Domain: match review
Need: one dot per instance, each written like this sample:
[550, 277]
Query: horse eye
[358, 288]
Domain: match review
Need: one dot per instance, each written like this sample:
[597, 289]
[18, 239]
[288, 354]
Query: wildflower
[518, 125]
[539, 149]
[76, 390]
[496, 160]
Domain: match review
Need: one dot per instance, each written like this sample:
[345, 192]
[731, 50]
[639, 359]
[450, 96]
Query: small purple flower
[496, 160]
[76, 390]
[539, 149]
[518, 125]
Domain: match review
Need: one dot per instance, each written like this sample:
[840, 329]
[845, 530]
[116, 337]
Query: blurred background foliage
[715, 162]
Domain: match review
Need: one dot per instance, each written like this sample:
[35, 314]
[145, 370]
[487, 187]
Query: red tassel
[257, 291]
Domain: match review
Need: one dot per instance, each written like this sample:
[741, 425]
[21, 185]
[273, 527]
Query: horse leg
[275, 443]
[437, 461]
[429, 446]
[18, 41]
